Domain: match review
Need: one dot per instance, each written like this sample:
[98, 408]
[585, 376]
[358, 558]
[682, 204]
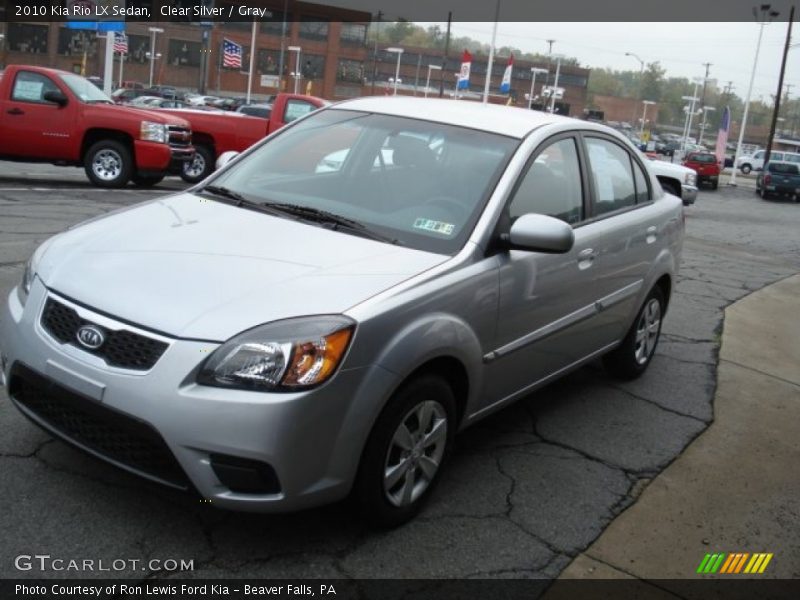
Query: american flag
[120, 42]
[231, 54]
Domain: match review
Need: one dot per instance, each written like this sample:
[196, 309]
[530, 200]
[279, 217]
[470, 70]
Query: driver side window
[31, 87]
[552, 185]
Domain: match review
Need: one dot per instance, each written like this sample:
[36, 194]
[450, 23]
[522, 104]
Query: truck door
[293, 109]
[34, 127]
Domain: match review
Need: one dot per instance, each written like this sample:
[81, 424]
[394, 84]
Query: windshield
[703, 158]
[84, 89]
[419, 183]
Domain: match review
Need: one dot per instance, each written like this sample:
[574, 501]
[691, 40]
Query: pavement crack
[657, 405]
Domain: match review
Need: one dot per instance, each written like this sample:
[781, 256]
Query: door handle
[586, 258]
[650, 236]
[15, 111]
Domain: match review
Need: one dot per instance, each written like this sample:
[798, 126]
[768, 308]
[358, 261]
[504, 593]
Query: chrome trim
[566, 321]
[546, 379]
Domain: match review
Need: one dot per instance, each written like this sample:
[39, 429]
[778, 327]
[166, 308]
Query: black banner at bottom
[399, 589]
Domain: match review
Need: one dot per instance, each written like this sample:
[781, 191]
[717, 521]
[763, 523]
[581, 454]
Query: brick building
[332, 41]
[629, 110]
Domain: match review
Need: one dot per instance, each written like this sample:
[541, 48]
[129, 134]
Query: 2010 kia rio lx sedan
[323, 314]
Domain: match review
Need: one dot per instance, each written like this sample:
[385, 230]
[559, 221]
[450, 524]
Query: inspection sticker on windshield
[435, 226]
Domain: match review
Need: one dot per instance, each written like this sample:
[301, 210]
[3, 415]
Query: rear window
[784, 168]
[703, 158]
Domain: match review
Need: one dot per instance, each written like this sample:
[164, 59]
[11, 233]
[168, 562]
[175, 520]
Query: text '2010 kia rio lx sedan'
[323, 314]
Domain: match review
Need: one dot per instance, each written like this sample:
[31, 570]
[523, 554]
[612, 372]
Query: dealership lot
[527, 489]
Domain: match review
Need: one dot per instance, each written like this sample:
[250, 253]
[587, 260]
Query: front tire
[408, 445]
[108, 164]
[631, 358]
[200, 167]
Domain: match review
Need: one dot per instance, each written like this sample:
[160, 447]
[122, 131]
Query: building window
[74, 42]
[273, 24]
[183, 53]
[350, 70]
[312, 28]
[268, 61]
[138, 47]
[353, 33]
[312, 66]
[346, 91]
[31, 39]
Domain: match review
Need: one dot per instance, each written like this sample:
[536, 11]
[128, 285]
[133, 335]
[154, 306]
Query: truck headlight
[284, 356]
[153, 132]
[691, 178]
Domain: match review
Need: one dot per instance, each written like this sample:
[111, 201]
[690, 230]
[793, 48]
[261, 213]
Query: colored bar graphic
[740, 564]
[727, 564]
[765, 563]
[703, 563]
[718, 562]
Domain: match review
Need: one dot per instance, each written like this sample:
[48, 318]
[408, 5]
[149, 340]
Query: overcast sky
[681, 48]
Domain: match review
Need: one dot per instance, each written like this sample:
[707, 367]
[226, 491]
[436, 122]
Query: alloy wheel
[107, 164]
[647, 330]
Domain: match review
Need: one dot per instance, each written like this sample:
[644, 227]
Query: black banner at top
[208, 11]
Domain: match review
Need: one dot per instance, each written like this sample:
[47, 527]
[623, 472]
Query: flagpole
[121, 65]
[252, 55]
[491, 54]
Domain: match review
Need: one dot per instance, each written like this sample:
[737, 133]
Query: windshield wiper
[222, 191]
[337, 222]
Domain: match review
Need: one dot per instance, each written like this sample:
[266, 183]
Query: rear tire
[405, 452]
[765, 195]
[631, 358]
[715, 184]
[108, 164]
[147, 181]
[746, 168]
[200, 167]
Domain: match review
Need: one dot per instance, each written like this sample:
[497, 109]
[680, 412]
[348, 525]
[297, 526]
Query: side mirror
[540, 233]
[56, 97]
[225, 158]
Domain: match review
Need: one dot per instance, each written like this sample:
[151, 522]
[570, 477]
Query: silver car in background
[320, 317]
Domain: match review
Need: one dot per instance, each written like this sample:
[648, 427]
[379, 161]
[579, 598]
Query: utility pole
[375, 51]
[550, 46]
[703, 100]
[780, 88]
[445, 57]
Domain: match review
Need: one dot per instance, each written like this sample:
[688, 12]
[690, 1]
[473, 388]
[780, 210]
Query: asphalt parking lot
[526, 491]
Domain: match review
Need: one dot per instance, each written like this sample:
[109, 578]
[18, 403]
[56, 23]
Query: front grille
[179, 137]
[123, 349]
[101, 429]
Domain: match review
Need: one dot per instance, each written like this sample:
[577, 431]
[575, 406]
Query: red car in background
[706, 166]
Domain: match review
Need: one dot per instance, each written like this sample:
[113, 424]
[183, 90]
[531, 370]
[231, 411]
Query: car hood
[664, 168]
[125, 111]
[196, 268]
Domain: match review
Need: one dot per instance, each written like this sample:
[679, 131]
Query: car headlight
[153, 132]
[24, 287]
[691, 178]
[283, 356]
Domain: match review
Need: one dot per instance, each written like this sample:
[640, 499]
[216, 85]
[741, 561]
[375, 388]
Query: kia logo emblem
[91, 337]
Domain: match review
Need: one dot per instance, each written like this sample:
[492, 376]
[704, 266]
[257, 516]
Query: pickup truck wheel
[200, 167]
[764, 193]
[108, 164]
[404, 454]
[715, 184]
[147, 181]
[631, 358]
[745, 168]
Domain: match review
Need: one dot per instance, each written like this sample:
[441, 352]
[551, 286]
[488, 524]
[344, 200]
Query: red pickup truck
[706, 166]
[52, 116]
[216, 132]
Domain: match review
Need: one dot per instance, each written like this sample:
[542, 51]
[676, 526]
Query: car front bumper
[312, 440]
[688, 194]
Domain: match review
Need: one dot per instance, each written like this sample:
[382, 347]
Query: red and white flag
[463, 76]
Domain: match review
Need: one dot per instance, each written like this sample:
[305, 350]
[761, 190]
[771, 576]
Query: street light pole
[428, 82]
[766, 14]
[399, 52]
[555, 84]
[153, 32]
[645, 103]
[296, 50]
[641, 87]
[534, 71]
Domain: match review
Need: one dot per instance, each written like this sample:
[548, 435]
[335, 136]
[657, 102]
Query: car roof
[505, 120]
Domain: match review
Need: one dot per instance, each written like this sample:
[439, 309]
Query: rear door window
[612, 174]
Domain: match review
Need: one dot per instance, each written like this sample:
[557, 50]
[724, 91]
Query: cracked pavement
[526, 490]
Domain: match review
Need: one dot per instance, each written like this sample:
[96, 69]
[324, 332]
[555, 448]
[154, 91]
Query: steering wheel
[451, 205]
